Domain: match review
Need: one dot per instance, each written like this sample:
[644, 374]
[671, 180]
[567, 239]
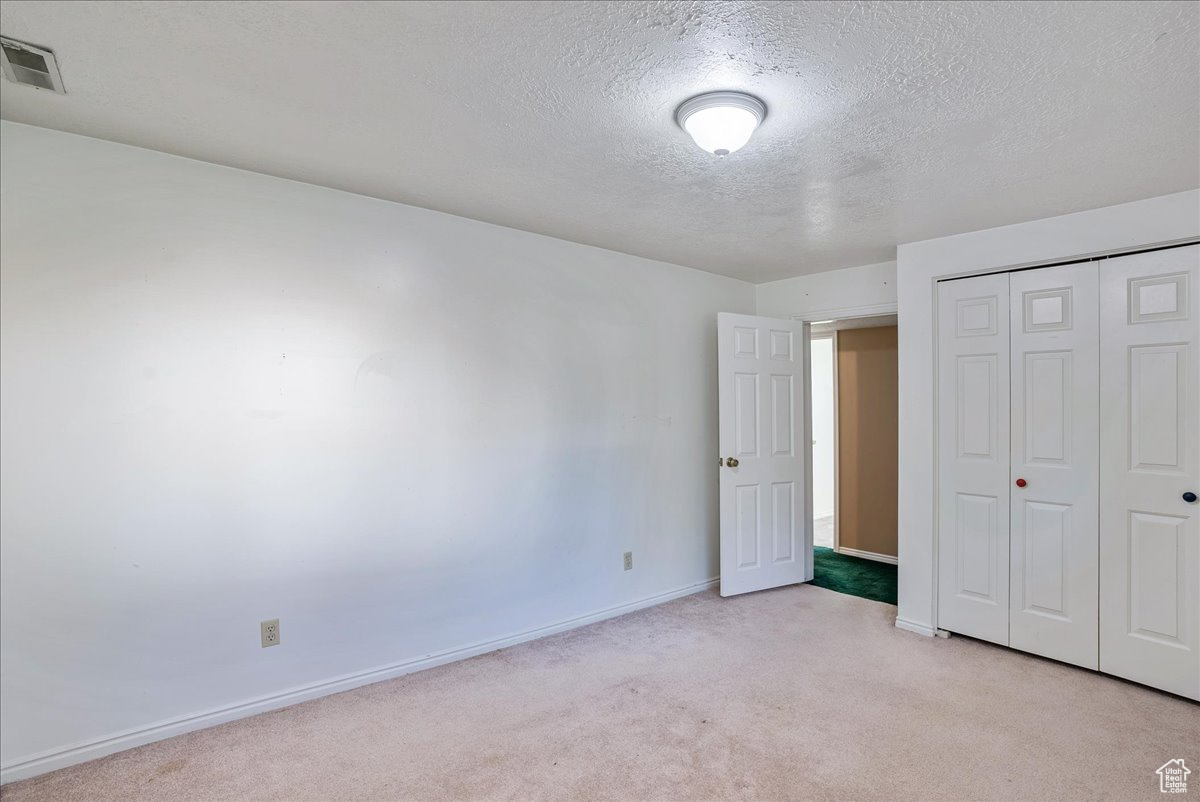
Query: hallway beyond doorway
[854, 576]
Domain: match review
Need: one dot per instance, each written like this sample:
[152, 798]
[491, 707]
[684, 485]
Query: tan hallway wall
[867, 439]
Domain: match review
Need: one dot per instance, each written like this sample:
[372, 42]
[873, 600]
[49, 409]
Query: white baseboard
[913, 626]
[868, 555]
[59, 758]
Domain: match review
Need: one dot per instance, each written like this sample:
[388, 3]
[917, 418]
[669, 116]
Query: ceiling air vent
[30, 65]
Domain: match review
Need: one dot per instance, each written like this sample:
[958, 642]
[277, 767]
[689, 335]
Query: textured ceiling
[888, 122]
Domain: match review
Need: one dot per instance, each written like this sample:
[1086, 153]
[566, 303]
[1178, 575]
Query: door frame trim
[836, 313]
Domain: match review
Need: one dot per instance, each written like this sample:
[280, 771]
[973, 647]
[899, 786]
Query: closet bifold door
[1149, 474]
[1055, 381]
[973, 457]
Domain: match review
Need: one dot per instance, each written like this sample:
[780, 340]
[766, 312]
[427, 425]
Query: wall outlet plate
[629, 561]
[270, 632]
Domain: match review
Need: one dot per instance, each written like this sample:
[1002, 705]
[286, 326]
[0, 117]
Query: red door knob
[1020, 483]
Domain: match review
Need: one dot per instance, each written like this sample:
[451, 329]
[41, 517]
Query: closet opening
[854, 450]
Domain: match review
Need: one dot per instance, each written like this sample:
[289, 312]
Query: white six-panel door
[1150, 442]
[765, 452]
[1054, 458]
[973, 443]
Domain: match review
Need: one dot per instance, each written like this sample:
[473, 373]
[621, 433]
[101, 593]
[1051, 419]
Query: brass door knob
[732, 462]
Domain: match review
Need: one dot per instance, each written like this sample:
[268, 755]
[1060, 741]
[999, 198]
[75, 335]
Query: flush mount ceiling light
[721, 122]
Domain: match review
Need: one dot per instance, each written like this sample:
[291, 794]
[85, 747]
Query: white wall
[920, 265]
[822, 427]
[228, 397]
[851, 288]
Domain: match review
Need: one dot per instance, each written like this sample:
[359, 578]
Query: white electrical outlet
[629, 561]
[270, 632]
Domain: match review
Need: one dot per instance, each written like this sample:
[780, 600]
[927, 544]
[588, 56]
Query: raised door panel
[1149, 556]
[973, 458]
[976, 411]
[1157, 377]
[783, 344]
[974, 534]
[1156, 593]
[745, 342]
[745, 412]
[784, 524]
[1054, 454]
[1047, 582]
[783, 416]
[1048, 398]
[749, 526]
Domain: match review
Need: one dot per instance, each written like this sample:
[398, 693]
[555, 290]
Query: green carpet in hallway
[854, 575]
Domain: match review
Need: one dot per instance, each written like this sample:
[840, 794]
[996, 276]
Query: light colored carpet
[796, 693]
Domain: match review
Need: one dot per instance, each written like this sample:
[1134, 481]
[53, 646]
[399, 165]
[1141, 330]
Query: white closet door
[1150, 436]
[973, 456]
[1055, 461]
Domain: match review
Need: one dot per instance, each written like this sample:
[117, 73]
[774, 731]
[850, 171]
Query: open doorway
[823, 433]
[855, 461]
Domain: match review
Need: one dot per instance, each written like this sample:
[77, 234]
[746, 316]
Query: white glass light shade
[721, 122]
